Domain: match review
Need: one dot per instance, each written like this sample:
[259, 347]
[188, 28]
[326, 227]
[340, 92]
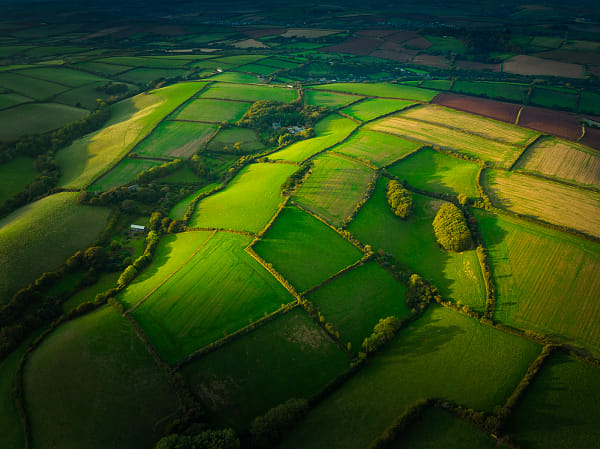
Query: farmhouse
[137, 229]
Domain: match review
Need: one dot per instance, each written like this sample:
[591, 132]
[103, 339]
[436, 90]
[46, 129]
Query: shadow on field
[418, 340]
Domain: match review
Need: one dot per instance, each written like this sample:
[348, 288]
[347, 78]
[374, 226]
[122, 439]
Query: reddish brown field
[471, 65]
[505, 112]
[594, 71]
[439, 62]
[257, 33]
[360, 46]
[393, 46]
[392, 55]
[401, 36]
[575, 57]
[375, 33]
[591, 138]
[563, 124]
[418, 43]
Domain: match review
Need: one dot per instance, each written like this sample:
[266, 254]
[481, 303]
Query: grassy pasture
[250, 93]
[124, 173]
[142, 75]
[35, 118]
[288, 357]
[436, 84]
[462, 121]
[329, 99]
[39, 237]
[181, 208]
[436, 172]
[183, 175]
[376, 148]
[227, 138]
[554, 98]
[539, 271]
[493, 89]
[60, 75]
[15, 175]
[304, 250]
[206, 110]
[258, 69]
[8, 100]
[131, 120]
[412, 241]
[381, 90]
[175, 139]
[240, 59]
[375, 107]
[590, 103]
[446, 44]
[105, 282]
[102, 67]
[151, 63]
[237, 77]
[444, 354]
[30, 87]
[329, 131]
[279, 63]
[355, 302]
[445, 137]
[218, 291]
[84, 96]
[545, 200]
[562, 159]
[93, 384]
[334, 188]
[248, 202]
[560, 409]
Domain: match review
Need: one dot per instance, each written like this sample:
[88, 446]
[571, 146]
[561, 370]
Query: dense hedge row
[267, 430]
[450, 228]
[295, 179]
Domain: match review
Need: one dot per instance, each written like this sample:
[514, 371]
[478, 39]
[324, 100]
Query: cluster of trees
[267, 430]
[209, 439]
[451, 230]
[295, 178]
[146, 176]
[383, 332]
[399, 199]
[420, 293]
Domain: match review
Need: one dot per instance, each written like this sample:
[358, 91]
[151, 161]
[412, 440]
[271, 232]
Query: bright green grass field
[93, 384]
[412, 241]
[15, 175]
[131, 120]
[355, 302]
[143, 75]
[329, 131]
[8, 100]
[123, 173]
[240, 59]
[560, 410]
[382, 90]
[245, 92]
[538, 272]
[375, 107]
[60, 75]
[175, 139]
[179, 210]
[329, 99]
[228, 137]
[237, 77]
[437, 429]
[376, 148]
[290, 357]
[217, 111]
[248, 202]
[40, 237]
[334, 187]
[218, 291]
[437, 84]
[436, 172]
[444, 355]
[304, 250]
[30, 87]
[36, 118]
[258, 69]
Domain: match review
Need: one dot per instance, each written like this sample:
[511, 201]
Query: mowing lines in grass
[547, 281]
[304, 250]
[334, 187]
[207, 110]
[375, 107]
[436, 172]
[249, 93]
[288, 357]
[412, 241]
[93, 384]
[381, 90]
[176, 139]
[218, 291]
[444, 354]
[549, 201]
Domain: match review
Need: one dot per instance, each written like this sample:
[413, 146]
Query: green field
[444, 137]
[446, 44]
[243, 92]
[554, 98]
[153, 63]
[279, 63]
[226, 139]
[30, 87]
[258, 69]
[375, 107]
[41, 236]
[444, 355]
[179, 210]
[589, 102]
[105, 282]
[376, 148]
[124, 173]
[304, 250]
[334, 188]
[175, 139]
[237, 77]
[329, 99]
[216, 111]
[560, 409]
[492, 89]
[436, 172]
[381, 90]
[412, 241]
[15, 175]
[437, 429]
[84, 96]
[93, 384]
[355, 302]
[436, 84]
[240, 59]
[60, 75]
[329, 131]
[35, 118]
[248, 202]
[102, 67]
[8, 100]
[290, 357]
[217, 291]
[539, 271]
[143, 75]
[183, 175]
[131, 120]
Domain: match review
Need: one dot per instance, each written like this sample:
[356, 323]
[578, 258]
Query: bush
[128, 275]
[268, 429]
[451, 229]
[210, 439]
[399, 199]
[382, 333]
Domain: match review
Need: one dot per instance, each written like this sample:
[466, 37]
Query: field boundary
[337, 275]
[525, 149]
